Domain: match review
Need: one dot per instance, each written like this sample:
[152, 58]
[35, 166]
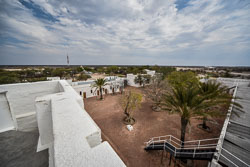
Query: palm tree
[188, 103]
[216, 92]
[184, 102]
[98, 84]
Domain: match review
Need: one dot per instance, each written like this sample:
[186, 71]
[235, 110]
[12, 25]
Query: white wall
[87, 88]
[131, 80]
[150, 72]
[6, 120]
[44, 121]
[53, 78]
[21, 97]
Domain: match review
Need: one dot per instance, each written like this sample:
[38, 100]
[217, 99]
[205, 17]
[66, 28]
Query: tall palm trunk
[184, 123]
[101, 92]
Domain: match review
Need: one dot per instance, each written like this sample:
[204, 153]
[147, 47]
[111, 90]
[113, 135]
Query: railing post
[199, 144]
[194, 153]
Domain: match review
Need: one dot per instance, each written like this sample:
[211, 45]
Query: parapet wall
[18, 100]
[70, 134]
[65, 128]
[21, 97]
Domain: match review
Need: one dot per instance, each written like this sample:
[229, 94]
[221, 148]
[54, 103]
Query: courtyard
[129, 145]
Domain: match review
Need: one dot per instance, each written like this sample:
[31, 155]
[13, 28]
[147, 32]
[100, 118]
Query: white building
[131, 78]
[85, 88]
[65, 128]
[150, 72]
[53, 78]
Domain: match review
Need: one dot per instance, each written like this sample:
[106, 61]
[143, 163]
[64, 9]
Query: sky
[125, 32]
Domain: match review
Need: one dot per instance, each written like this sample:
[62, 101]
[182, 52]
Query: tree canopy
[129, 102]
[183, 79]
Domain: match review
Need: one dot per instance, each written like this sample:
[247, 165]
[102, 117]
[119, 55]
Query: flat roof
[237, 138]
[19, 148]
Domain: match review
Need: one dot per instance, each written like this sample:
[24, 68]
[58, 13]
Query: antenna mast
[67, 59]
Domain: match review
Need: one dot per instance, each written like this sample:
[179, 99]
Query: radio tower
[67, 59]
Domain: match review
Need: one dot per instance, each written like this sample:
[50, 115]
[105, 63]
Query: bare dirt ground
[97, 75]
[108, 115]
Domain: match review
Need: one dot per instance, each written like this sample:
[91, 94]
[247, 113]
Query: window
[91, 91]
[80, 92]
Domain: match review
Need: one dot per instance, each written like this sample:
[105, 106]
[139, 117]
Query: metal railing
[178, 146]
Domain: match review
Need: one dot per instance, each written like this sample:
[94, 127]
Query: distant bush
[83, 77]
[8, 77]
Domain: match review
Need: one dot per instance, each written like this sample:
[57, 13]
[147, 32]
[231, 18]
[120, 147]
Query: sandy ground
[97, 75]
[108, 114]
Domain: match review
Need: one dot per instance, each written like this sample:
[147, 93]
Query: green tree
[8, 80]
[133, 69]
[112, 70]
[178, 78]
[47, 72]
[165, 71]
[130, 101]
[83, 77]
[186, 99]
[58, 72]
[139, 80]
[99, 84]
[147, 79]
[100, 70]
[30, 73]
[8, 77]
[79, 69]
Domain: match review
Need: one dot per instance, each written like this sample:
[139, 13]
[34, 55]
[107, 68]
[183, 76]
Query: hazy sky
[163, 32]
